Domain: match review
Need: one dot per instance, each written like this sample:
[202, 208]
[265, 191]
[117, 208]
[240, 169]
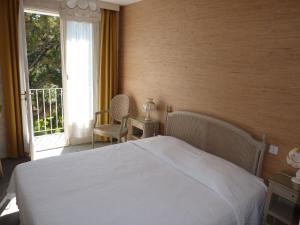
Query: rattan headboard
[219, 138]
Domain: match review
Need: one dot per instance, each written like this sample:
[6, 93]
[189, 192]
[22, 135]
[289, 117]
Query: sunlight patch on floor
[10, 208]
[66, 150]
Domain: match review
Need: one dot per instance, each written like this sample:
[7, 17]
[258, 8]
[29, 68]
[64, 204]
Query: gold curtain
[108, 60]
[9, 67]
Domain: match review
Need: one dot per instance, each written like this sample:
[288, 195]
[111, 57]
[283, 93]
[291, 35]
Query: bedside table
[283, 200]
[140, 128]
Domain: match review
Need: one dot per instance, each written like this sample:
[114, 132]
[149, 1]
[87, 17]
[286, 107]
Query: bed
[203, 172]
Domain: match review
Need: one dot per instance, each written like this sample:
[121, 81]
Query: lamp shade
[293, 159]
[82, 4]
[72, 4]
[148, 106]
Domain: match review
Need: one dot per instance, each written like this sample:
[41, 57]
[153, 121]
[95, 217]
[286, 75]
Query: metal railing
[47, 111]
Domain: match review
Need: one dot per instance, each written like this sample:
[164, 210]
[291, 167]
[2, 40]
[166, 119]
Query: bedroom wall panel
[235, 60]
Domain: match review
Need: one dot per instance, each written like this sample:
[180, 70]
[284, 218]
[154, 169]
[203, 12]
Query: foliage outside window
[44, 64]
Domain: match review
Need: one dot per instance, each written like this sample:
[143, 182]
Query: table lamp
[293, 159]
[148, 106]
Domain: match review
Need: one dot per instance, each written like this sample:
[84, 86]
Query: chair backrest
[119, 107]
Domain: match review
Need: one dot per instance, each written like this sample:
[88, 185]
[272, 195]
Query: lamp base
[296, 179]
[147, 118]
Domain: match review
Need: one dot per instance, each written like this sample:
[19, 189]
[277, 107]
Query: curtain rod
[53, 6]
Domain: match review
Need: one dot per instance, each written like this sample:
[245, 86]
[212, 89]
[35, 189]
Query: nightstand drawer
[137, 124]
[141, 128]
[285, 193]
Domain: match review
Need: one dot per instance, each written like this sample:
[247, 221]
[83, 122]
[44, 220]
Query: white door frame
[26, 105]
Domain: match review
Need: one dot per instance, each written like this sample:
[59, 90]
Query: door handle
[25, 94]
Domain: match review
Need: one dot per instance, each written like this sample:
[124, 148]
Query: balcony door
[59, 70]
[41, 81]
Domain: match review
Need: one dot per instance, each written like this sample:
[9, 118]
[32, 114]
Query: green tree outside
[44, 65]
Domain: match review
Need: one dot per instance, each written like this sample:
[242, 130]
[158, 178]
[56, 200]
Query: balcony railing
[47, 111]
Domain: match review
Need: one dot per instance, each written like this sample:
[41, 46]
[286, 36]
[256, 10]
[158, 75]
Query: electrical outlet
[273, 150]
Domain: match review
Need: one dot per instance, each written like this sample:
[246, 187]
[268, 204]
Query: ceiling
[121, 2]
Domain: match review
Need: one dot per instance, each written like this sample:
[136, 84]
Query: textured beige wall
[238, 60]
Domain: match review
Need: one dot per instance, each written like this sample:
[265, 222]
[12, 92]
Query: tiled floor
[10, 215]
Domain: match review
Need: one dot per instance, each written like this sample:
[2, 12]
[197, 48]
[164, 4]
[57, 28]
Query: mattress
[154, 181]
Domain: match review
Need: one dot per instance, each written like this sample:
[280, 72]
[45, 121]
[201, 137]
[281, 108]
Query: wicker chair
[119, 113]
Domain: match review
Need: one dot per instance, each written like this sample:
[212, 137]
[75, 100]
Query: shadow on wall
[2, 124]
[133, 107]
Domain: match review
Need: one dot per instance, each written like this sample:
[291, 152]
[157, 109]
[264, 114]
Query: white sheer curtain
[79, 85]
[80, 60]
[79, 69]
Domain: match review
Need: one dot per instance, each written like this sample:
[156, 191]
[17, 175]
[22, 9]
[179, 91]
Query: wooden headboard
[219, 138]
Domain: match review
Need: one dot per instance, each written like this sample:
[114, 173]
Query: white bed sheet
[155, 181]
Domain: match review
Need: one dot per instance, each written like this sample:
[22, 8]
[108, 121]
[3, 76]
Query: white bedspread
[154, 181]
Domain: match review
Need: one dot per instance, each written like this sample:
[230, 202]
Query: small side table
[140, 128]
[283, 200]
